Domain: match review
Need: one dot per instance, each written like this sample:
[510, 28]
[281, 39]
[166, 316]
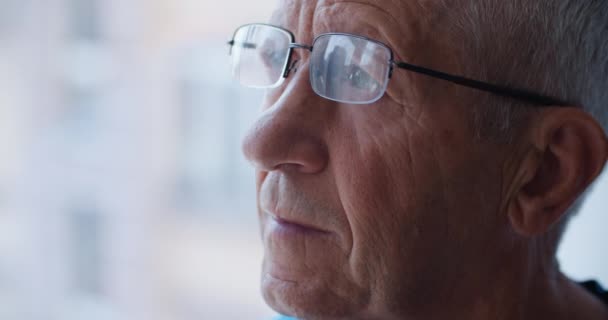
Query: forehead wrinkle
[401, 25]
[329, 25]
[414, 29]
[329, 3]
[295, 16]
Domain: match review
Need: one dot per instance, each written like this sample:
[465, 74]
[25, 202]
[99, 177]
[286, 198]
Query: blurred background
[123, 193]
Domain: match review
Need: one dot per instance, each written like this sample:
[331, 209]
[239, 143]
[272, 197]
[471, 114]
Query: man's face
[371, 209]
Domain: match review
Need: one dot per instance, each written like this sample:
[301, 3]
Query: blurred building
[122, 192]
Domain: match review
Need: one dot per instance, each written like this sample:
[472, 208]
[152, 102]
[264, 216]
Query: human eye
[361, 79]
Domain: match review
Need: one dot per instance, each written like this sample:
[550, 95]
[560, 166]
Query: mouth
[291, 247]
[284, 228]
[297, 227]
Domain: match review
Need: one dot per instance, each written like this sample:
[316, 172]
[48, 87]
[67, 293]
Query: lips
[285, 238]
[297, 227]
[292, 247]
[287, 209]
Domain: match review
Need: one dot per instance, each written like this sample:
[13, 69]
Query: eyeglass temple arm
[484, 86]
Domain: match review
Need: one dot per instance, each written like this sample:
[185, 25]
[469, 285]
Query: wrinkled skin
[411, 205]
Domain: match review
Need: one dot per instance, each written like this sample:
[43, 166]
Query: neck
[517, 286]
[510, 288]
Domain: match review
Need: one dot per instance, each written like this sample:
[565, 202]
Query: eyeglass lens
[343, 68]
[259, 55]
[349, 69]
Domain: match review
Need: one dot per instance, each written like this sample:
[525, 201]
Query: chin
[314, 297]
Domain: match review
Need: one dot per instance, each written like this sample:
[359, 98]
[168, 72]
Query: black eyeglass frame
[500, 90]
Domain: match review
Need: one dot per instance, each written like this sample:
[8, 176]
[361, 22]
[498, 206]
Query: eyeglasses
[344, 67]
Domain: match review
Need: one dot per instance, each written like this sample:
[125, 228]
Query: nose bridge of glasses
[300, 46]
[293, 65]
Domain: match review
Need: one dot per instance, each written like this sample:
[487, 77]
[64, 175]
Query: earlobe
[567, 151]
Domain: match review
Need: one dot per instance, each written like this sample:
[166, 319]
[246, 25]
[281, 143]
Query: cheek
[410, 195]
[386, 176]
[385, 164]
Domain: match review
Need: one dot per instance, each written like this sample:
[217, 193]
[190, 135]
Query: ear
[569, 150]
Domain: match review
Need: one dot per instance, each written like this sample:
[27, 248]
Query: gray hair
[555, 47]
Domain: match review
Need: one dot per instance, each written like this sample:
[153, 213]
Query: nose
[289, 134]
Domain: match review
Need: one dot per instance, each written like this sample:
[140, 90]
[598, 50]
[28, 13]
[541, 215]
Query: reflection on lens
[349, 69]
[259, 55]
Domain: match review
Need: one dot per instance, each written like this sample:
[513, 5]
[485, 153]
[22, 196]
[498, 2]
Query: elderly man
[419, 159]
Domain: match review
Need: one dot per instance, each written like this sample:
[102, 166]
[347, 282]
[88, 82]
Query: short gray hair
[555, 47]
